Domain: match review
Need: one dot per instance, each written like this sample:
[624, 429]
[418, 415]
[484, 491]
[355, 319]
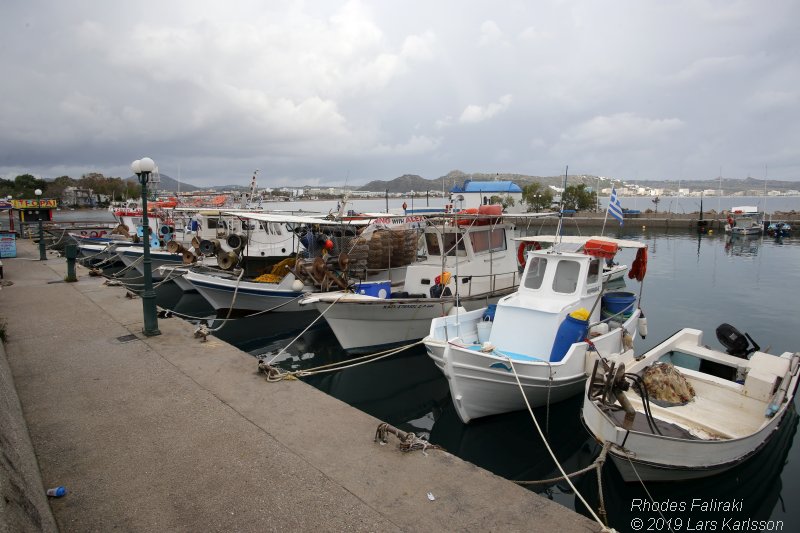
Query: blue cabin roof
[487, 186]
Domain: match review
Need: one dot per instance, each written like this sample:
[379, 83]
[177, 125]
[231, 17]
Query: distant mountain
[410, 182]
[170, 184]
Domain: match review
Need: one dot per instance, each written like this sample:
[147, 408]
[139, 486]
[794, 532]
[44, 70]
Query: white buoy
[642, 325]
[297, 285]
[456, 309]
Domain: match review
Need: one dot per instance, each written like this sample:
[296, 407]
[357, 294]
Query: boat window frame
[494, 240]
[454, 244]
[535, 273]
[594, 274]
[432, 244]
[564, 279]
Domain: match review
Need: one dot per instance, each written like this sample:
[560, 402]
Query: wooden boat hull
[724, 425]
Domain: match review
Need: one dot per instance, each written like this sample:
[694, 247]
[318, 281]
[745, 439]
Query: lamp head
[135, 167]
[147, 165]
[38, 192]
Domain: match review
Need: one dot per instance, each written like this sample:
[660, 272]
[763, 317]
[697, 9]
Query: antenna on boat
[561, 206]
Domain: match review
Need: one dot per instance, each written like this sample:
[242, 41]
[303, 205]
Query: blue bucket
[622, 302]
[570, 331]
[489, 313]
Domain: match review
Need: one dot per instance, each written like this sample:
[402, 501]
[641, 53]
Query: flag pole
[603, 231]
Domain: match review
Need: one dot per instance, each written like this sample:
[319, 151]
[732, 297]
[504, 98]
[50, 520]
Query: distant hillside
[412, 182]
[407, 183]
[170, 184]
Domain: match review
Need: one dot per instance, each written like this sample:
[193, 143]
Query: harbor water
[698, 281]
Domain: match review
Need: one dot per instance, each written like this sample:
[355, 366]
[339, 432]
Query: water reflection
[742, 245]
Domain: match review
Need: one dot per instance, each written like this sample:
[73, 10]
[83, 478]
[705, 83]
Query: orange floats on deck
[600, 248]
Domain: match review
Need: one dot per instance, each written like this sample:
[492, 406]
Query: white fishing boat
[542, 339]
[93, 254]
[683, 410]
[744, 220]
[225, 291]
[133, 257]
[323, 253]
[468, 259]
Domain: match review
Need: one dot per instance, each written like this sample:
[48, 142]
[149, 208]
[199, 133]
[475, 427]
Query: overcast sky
[328, 92]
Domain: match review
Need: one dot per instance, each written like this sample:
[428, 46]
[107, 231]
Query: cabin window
[566, 278]
[536, 269]
[480, 241]
[488, 240]
[432, 244]
[214, 223]
[497, 238]
[594, 272]
[274, 228]
[454, 244]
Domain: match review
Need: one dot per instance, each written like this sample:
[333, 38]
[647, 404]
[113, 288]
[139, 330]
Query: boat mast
[561, 206]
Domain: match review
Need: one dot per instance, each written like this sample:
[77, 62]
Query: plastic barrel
[618, 302]
[570, 331]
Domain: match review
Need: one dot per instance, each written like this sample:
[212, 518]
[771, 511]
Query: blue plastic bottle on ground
[57, 492]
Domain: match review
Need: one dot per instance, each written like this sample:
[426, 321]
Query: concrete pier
[168, 433]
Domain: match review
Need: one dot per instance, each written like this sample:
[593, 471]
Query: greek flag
[615, 206]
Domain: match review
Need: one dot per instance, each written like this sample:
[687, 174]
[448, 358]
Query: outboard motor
[736, 343]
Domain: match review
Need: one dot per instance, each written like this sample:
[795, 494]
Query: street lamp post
[143, 168]
[42, 252]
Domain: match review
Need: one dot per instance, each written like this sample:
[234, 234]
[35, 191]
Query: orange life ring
[639, 268]
[523, 249]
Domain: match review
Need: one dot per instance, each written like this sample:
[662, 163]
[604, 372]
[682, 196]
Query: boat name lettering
[407, 306]
[398, 220]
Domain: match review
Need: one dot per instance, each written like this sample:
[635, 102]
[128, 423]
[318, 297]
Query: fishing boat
[744, 220]
[316, 255]
[540, 342]
[684, 410]
[133, 257]
[467, 260]
[779, 229]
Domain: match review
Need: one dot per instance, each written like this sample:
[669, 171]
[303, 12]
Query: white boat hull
[226, 293]
[361, 323]
[484, 384]
[133, 258]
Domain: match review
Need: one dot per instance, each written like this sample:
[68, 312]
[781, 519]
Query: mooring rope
[277, 374]
[553, 455]
[282, 350]
[627, 455]
[409, 441]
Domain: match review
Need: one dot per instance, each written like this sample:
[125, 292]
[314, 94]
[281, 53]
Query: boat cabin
[553, 285]
[477, 257]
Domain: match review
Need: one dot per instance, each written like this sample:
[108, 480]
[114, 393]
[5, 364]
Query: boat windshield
[432, 243]
[454, 244]
[566, 278]
[536, 269]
